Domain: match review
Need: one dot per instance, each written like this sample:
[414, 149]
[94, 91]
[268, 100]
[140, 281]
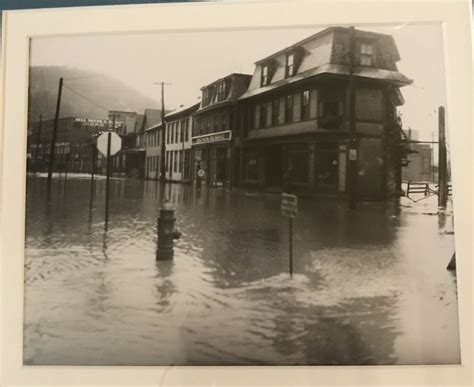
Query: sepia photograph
[240, 197]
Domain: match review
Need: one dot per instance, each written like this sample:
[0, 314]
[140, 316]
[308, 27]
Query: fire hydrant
[167, 233]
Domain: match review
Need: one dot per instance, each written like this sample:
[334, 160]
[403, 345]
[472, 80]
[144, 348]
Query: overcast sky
[192, 60]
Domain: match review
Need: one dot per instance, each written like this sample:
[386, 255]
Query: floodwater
[370, 285]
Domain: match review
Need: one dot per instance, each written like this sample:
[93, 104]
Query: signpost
[289, 208]
[108, 143]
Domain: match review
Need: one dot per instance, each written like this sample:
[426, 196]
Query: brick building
[295, 113]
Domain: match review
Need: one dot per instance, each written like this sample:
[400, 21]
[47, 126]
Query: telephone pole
[163, 133]
[442, 161]
[53, 139]
[38, 141]
[352, 148]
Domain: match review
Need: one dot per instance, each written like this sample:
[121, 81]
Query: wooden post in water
[38, 141]
[442, 164]
[53, 139]
[290, 220]
[93, 160]
[107, 181]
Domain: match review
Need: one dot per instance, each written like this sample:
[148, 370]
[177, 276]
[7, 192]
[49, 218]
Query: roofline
[316, 35]
[157, 126]
[227, 76]
[184, 109]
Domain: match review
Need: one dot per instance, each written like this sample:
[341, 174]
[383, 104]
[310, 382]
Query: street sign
[115, 143]
[289, 205]
[201, 173]
[352, 154]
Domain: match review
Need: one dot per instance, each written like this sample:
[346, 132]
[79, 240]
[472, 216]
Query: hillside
[92, 96]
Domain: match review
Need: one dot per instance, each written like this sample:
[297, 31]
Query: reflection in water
[370, 286]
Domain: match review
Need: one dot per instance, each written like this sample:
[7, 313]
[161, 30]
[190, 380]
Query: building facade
[179, 126]
[153, 151]
[214, 148]
[295, 115]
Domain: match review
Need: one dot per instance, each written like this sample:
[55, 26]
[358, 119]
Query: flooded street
[370, 285]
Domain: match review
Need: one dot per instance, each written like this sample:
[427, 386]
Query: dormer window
[290, 65]
[220, 91]
[366, 54]
[265, 75]
[205, 96]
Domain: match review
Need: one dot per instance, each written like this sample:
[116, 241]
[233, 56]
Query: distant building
[420, 161]
[215, 125]
[75, 139]
[130, 161]
[295, 114]
[153, 151]
[179, 126]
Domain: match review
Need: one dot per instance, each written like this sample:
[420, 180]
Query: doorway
[274, 165]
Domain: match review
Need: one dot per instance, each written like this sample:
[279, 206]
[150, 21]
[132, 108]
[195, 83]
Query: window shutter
[281, 113]
[257, 116]
[313, 103]
[268, 120]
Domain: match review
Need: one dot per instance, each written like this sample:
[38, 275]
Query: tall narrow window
[366, 53]
[289, 108]
[263, 114]
[265, 78]
[305, 105]
[275, 112]
[290, 65]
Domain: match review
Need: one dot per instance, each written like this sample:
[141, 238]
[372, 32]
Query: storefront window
[299, 161]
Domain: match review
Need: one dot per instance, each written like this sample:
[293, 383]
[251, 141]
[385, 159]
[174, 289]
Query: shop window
[299, 162]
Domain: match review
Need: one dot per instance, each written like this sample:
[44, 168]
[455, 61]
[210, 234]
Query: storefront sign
[213, 137]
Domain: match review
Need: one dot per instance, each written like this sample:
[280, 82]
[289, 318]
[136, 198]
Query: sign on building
[213, 137]
[289, 205]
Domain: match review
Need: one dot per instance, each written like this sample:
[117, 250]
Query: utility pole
[442, 164]
[107, 181]
[352, 151]
[38, 141]
[53, 139]
[163, 134]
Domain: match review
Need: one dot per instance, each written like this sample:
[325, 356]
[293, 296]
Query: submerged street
[370, 285]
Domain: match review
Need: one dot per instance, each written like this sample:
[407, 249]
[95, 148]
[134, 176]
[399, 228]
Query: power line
[87, 98]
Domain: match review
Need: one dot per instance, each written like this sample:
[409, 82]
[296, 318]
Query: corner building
[215, 148]
[295, 113]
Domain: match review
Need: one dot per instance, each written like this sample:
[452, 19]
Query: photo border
[21, 25]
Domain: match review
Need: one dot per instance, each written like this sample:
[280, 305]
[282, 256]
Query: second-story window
[366, 54]
[305, 105]
[275, 111]
[289, 108]
[290, 65]
[265, 77]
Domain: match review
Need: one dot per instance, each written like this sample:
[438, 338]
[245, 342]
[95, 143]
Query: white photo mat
[20, 26]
